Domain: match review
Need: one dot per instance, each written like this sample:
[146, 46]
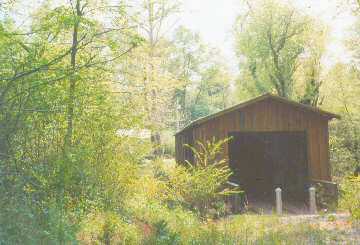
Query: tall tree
[345, 80]
[345, 133]
[270, 38]
[58, 120]
[310, 76]
[147, 75]
[204, 78]
[187, 58]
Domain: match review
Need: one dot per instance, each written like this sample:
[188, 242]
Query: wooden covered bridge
[275, 143]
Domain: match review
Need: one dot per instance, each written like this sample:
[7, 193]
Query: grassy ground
[266, 229]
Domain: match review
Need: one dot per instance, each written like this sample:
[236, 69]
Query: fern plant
[202, 185]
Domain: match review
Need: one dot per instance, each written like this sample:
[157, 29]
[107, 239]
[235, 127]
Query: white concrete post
[312, 200]
[278, 201]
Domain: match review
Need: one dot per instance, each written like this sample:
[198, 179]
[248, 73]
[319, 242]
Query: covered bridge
[274, 142]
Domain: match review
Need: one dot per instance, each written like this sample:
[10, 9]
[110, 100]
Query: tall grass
[255, 229]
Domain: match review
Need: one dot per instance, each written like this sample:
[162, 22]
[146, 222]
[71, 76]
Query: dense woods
[75, 72]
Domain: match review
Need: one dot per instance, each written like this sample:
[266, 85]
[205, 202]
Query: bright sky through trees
[214, 20]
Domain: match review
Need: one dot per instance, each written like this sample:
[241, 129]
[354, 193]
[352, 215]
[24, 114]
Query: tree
[270, 39]
[58, 121]
[212, 92]
[352, 41]
[204, 78]
[147, 76]
[310, 75]
[340, 94]
[185, 64]
[345, 133]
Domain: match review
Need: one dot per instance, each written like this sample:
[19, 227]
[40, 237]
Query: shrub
[202, 185]
[163, 235]
[108, 228]
[168, 143]
[150, 205]
[326, 196]
[344, 146]
[350, 196]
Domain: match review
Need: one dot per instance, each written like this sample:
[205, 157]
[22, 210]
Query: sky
[214, 19]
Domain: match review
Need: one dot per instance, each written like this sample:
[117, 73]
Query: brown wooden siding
[266, 115]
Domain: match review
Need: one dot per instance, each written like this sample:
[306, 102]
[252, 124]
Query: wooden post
[278, 201]
[312, 200]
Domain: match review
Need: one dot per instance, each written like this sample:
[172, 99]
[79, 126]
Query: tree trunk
[156, 143]
[72, 85]
[69, 120]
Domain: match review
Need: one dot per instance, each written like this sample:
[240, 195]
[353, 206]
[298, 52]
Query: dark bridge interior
[262, 161]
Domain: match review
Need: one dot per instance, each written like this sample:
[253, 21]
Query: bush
[168, 143]
[344, 146]
[108, 228]
[163, 235]
[350, 196]
[201, 186]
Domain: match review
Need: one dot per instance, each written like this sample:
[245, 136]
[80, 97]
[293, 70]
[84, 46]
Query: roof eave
[329, 116]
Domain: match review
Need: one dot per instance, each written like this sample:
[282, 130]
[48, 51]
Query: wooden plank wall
[267, 115]
[183, 153]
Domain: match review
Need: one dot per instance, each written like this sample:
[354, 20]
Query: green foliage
[173, 224]
[344, 133]
[344, 146]
[350, 196]
[163, 235]
[204, 79]
[271, 39]
[168, 143]
[279, 49]
[322, 200]
[56, 166]
[253, 229]
[108, 228]
[68, 84]
[202, 185]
